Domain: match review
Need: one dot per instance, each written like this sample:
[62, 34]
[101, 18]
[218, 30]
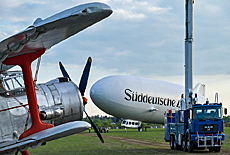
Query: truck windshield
[207, 112]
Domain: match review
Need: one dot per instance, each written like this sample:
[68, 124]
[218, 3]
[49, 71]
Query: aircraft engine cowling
[59, 101]
[49, 114]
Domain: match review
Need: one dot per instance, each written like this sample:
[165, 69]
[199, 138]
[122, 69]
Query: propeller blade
[64, 72]
[85, 76]
[95, 128]
[82, 87]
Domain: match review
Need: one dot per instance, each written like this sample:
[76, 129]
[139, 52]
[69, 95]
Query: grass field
[87, 143]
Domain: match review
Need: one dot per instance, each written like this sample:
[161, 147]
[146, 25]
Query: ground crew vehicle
[199, 127]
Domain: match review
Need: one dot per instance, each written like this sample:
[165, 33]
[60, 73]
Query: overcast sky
[141, 38]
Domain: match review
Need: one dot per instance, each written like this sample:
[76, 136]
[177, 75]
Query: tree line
[226, 121]
[114, 122]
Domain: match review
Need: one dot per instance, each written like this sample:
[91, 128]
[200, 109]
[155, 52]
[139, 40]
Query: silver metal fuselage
[58, 101]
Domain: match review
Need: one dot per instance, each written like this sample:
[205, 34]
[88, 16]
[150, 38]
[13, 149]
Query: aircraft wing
[35, 140]
[43, 34]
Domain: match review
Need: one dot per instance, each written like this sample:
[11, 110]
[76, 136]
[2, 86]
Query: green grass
[226, 145]
[153, 135]
[81, 144]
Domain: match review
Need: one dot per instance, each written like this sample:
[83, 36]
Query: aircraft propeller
[64, 72]
[85, 76]
[82, 87]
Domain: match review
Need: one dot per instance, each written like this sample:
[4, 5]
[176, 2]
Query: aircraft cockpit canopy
[13, 82]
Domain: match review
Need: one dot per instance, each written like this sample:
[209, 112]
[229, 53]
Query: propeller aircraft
[33, 114]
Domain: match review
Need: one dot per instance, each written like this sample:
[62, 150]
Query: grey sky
[141, 38]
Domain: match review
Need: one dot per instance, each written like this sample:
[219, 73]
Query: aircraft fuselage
[59, 102]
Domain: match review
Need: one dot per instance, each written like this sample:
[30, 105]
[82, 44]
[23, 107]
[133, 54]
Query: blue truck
[199, 127]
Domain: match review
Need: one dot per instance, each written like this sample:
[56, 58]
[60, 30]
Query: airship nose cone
[95, 93]
[91, 92]
[108, 94]
[102, 93]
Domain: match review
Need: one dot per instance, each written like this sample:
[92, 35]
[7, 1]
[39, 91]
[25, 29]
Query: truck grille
[211, 127]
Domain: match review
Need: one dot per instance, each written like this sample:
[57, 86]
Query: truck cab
[207, 118]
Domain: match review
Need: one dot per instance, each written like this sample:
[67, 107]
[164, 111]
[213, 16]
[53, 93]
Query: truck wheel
[189, 146]
[211, 149]
[217, 149]
[184, 148]
[172, 142]
[176, 146]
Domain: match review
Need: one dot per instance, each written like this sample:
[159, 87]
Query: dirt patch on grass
[161, 148]
[138, 142]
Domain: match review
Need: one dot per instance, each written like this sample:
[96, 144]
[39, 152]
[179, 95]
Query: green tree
[97, 121]
[159, 125]
[118, 123]
[227, 124]
[105, 123]
[97, 124]
[143, 125]
[110, 120]
[148, 126]
[112, 126]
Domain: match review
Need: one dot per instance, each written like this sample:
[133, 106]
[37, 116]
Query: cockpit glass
[18, 82]
[9, 84]
[14, 82]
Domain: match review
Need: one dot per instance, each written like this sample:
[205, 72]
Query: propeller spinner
[82, 87]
